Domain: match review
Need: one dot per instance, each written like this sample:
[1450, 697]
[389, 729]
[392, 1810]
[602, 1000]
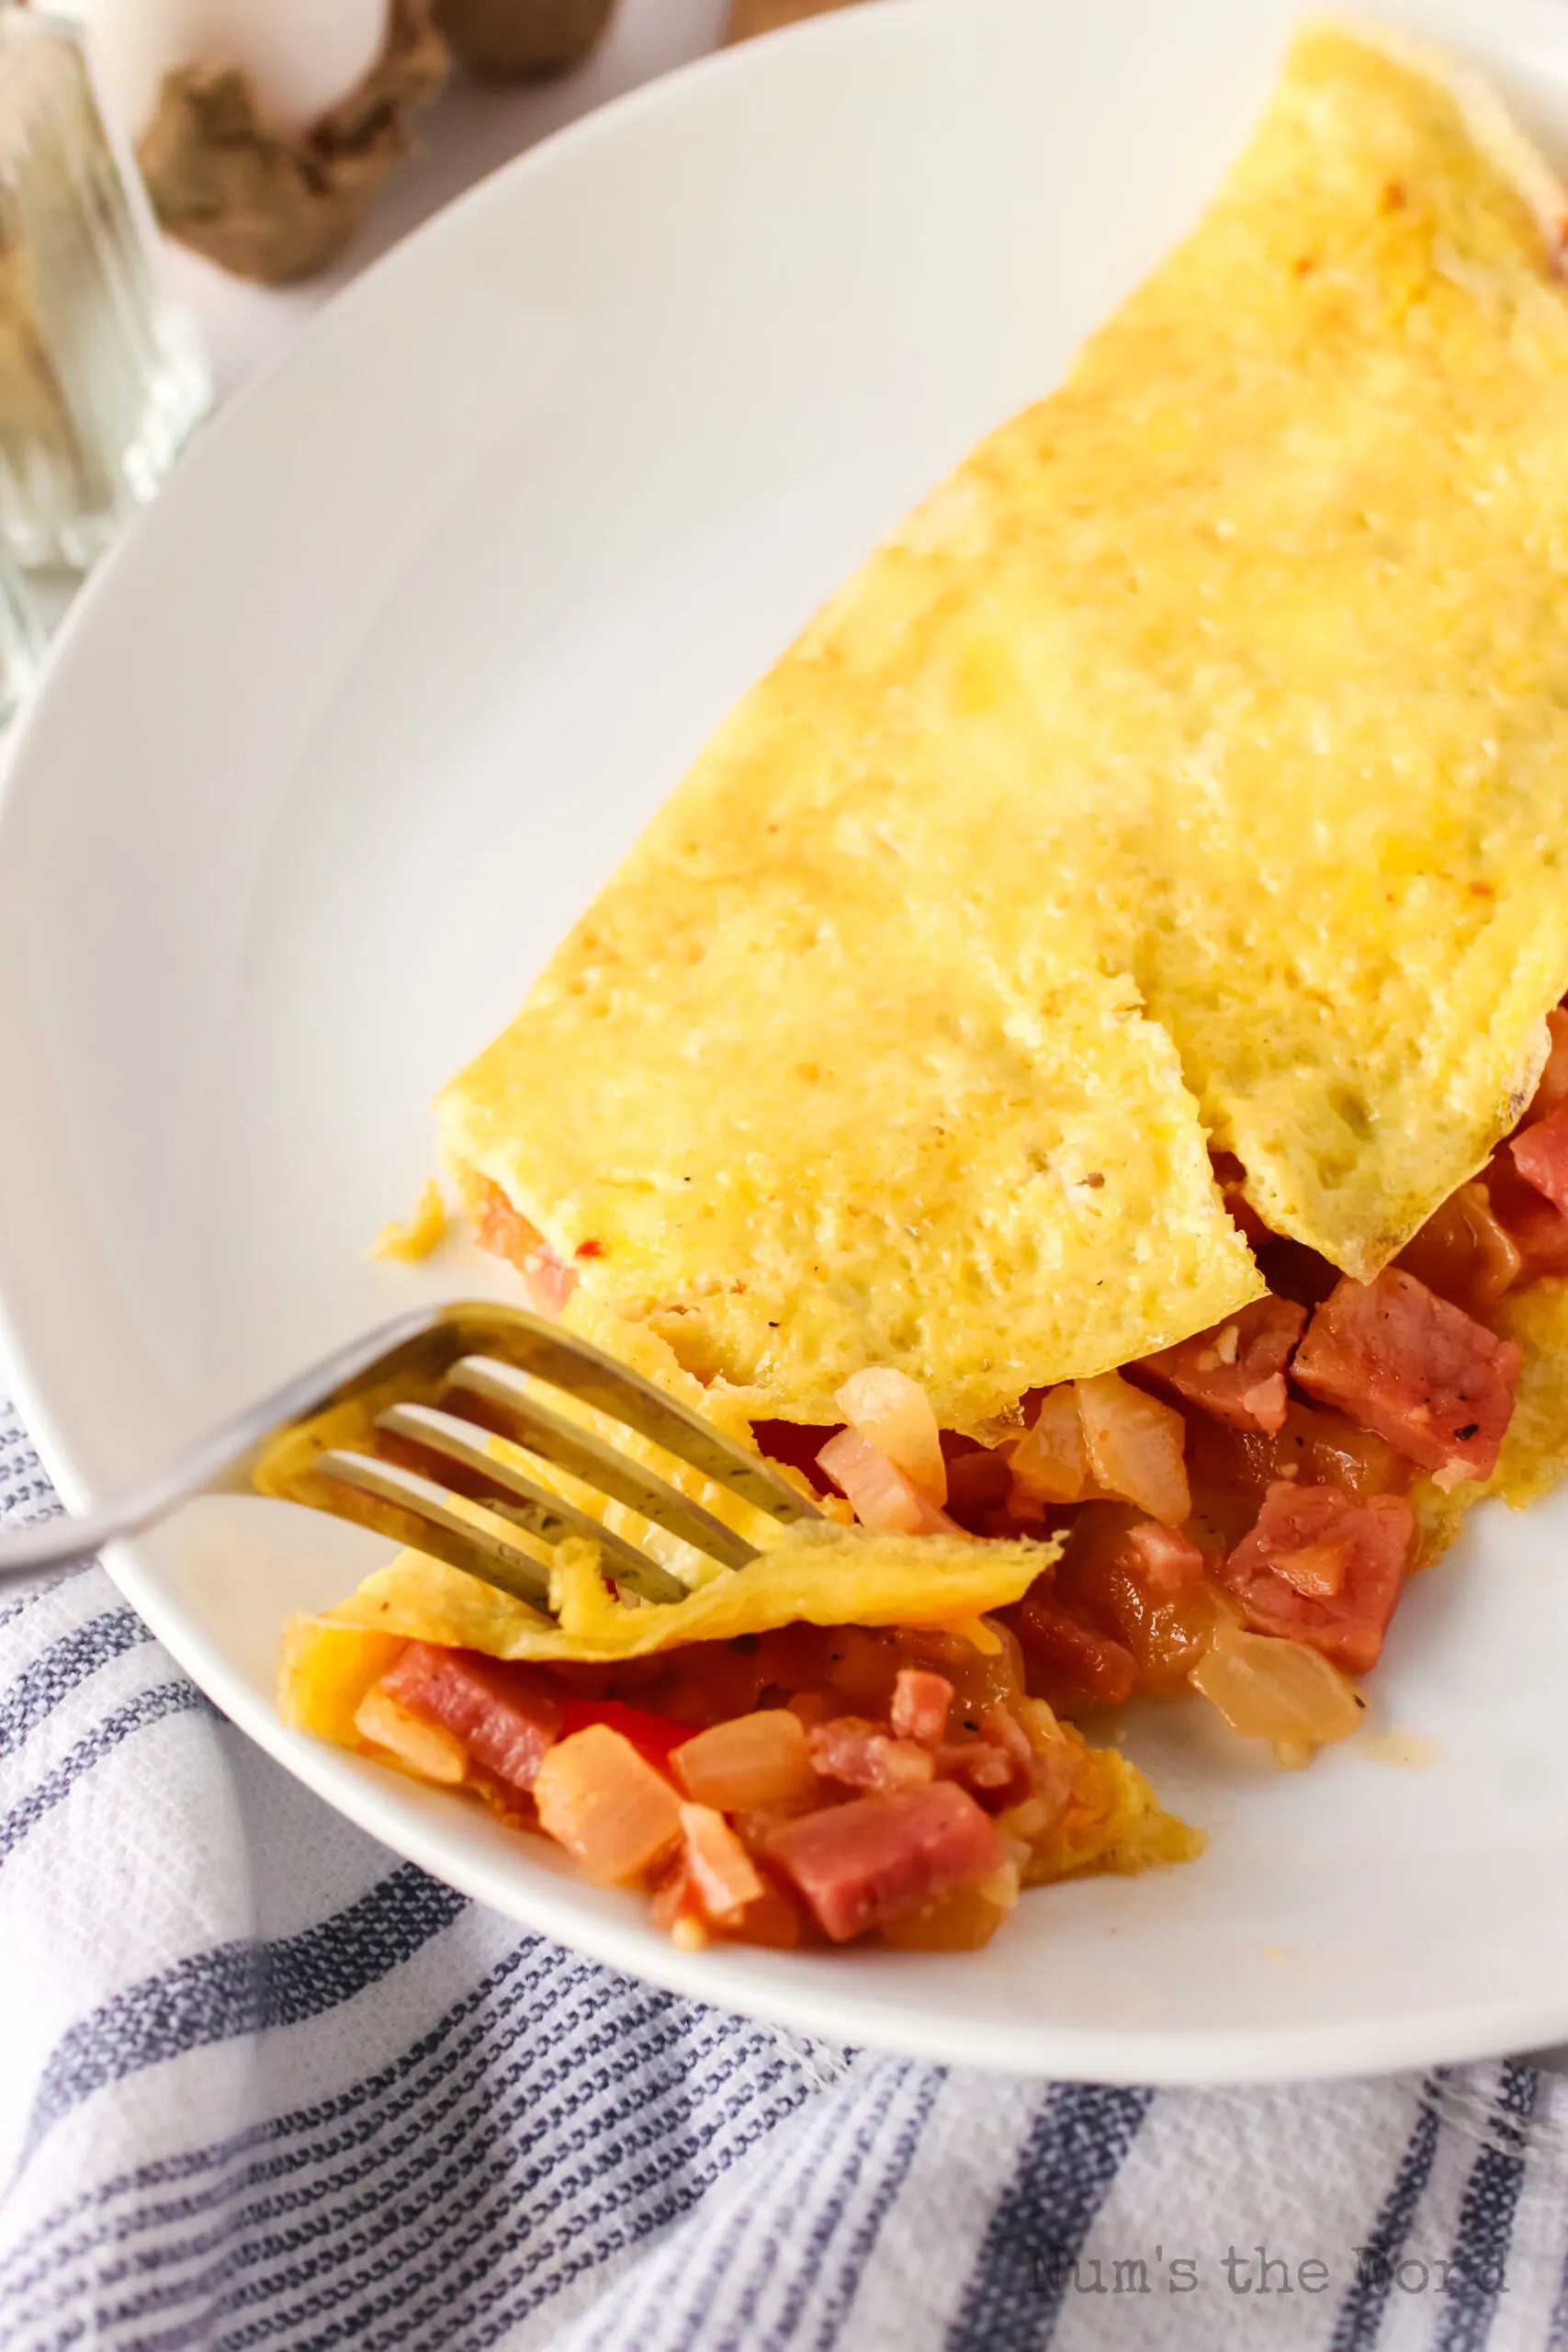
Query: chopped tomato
[978, 1481]
[1167, 1637]
[653, 1736]
[506, 1716]
[1232, 1469]
[862, 1864]
[1538, 1230]
[1075, 1661]
[1321, 1569]
[1418, 1371]
[1237, 1370]
[1101, 1586]
[1541, 1155]
[1464, 1252]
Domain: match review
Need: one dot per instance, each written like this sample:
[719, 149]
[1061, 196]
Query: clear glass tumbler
[21, 638]
[101, 376]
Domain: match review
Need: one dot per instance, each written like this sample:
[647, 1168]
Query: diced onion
[1273, 1690]
[895, 1414]
[883, 1498]
[1135, 1446]
[614, 1814]
[425, 1748]
[754, 1760]
[1049, 1464]
[720, 1872]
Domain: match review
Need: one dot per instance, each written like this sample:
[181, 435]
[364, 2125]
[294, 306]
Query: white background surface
[472, 129]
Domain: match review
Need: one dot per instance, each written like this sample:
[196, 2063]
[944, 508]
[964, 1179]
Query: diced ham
[1320, 1568]
[883, 1498]
[1541, 1155]
[1075, 1658]
[862, 1864]
[506, 1716]
[1237, 1370]
[999, 1766]
[921, 1702]
[862, 1755]
[1421, 1373]
[1165, 1560]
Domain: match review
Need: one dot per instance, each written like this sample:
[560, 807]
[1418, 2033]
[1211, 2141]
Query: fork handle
[58, 1542]
[214, 1462]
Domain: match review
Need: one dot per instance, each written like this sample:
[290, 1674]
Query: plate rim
[818, 1999]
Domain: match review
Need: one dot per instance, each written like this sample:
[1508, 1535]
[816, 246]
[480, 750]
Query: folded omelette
[1114, 937]
[1190, 770]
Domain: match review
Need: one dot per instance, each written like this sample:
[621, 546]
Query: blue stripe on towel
[1479, 2254]
[245, 1988]
[1080, 2133]
[57, 1671]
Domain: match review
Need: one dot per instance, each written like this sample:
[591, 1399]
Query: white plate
[344, 738]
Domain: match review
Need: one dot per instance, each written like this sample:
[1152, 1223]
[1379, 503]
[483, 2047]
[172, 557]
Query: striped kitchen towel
[261, 2084]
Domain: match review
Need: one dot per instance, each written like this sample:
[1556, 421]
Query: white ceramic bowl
[351, 727]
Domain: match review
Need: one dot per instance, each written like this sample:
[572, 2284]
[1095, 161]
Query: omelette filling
[1236, 1515]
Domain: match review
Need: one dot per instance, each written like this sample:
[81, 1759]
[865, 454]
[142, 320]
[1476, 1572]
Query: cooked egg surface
[1193, 765]
[815, 1575]
[414, 1237]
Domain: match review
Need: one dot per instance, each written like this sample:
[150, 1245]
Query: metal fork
[424, 1394]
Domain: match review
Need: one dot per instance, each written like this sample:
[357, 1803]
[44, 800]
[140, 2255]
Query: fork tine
[499, 1398]
[399, 1504]
[430, 1344]
[586, 1373]
[548, 1516]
